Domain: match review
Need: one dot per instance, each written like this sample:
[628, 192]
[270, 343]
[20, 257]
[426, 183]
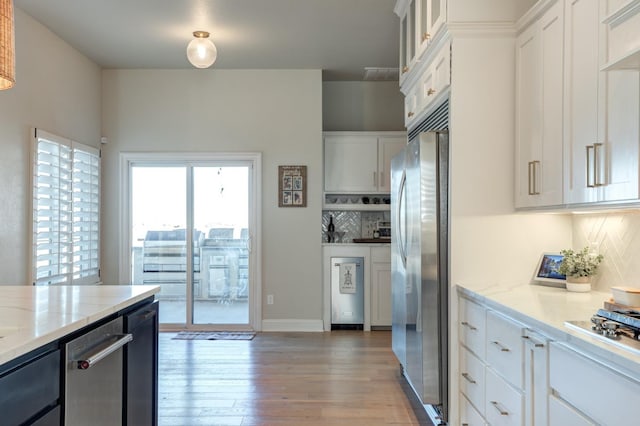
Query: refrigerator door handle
[401, 237]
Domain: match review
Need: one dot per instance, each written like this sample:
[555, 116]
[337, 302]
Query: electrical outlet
[269, 299]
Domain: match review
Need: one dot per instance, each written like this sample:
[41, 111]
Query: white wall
[362, 106]
[490, 243]
[276, 112]
[57, 89]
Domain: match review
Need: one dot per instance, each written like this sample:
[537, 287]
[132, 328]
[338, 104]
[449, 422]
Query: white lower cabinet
[472, 378]
[380, 286]
[504, 403]
[598, 392]
[562, 414]
[469, 416]
[377, 281]
[518, 376]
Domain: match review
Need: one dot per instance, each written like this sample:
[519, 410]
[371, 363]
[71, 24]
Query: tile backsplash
[617, 237]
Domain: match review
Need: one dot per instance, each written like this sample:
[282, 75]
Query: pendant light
[201, 51]
[7, 47]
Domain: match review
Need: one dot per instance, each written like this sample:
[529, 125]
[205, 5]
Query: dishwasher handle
[93, 358]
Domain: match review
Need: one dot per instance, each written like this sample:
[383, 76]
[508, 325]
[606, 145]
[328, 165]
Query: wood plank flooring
[337, 378]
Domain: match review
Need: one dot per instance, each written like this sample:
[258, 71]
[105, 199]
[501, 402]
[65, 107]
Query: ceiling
[341, 37]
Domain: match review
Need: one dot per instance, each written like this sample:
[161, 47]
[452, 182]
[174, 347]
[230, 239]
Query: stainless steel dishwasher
[94, 376]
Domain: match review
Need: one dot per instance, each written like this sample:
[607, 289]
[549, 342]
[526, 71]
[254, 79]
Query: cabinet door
[350, 163]
[388, 147]
[528, 114]
[503, 402]
[536, 379]
[141, 366]
[583, 176]
[468, 414]
[573, 378]
[561, 414]
[539, 111]
[622, 136]
[505, 347]
[473, 320]
[381, 293]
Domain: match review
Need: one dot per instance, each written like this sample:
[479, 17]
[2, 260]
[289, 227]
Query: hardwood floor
[337, 378]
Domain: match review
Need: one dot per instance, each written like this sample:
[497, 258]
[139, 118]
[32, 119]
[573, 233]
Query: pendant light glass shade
[7, 46]
[201, 51]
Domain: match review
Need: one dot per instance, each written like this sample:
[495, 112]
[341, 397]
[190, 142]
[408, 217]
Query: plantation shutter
[66, 211]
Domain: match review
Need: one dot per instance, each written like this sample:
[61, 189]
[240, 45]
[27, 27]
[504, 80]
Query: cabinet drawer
[472, 378]
[30, 389]
[561, 414]
[504, 347]
[582, 381]
[504, 404]
[472, 327]
[468, 414]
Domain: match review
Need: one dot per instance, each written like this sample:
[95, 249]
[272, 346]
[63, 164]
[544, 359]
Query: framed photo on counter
[547, 271]
[292, 186]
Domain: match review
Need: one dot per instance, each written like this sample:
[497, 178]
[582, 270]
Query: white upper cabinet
[601, 113]
[360, 162]
[420, 23]
[539, 58]
[584, 153]
[388, 147]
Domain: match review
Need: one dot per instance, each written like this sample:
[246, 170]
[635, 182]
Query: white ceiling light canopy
[201, 51]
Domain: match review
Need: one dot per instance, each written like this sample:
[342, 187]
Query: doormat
[215, 335]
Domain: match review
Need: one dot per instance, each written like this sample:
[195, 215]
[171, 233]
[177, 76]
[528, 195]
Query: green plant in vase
[579, 267]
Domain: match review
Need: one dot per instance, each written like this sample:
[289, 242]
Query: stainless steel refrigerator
[420, 267]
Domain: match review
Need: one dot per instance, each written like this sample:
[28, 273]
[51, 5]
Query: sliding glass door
[192, 228]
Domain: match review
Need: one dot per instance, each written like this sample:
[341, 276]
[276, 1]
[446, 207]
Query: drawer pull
[430, 92]
[469, 378]
[502, 412]
[501, 346]
[466, 324]
[536, 343]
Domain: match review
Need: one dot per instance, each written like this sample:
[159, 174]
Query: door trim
[130, 159]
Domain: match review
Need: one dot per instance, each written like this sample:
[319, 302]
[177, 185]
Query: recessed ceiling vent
[380, 74]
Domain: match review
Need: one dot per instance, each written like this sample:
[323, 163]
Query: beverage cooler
[347, 292]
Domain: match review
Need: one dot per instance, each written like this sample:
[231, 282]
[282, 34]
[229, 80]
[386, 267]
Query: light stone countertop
[32, 316]
[546, 309]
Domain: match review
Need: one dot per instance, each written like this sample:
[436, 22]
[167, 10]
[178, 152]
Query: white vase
[579, 284]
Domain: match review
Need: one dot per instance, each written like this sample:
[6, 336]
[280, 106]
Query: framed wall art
[292, 186]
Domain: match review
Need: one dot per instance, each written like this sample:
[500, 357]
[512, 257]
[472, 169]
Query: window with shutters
[66, 211]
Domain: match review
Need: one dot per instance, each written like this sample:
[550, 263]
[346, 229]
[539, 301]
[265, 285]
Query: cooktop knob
[610, 328]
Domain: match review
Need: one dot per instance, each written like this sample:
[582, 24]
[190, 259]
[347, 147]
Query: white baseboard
[292, 325]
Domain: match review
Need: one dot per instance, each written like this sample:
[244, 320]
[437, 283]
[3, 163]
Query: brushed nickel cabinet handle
[530, 177]
[469, 378]
[502, 411]
[536, 343]
[589, 184]
[501, 346]
[535, 167]
[596, 165]
[466, 324]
